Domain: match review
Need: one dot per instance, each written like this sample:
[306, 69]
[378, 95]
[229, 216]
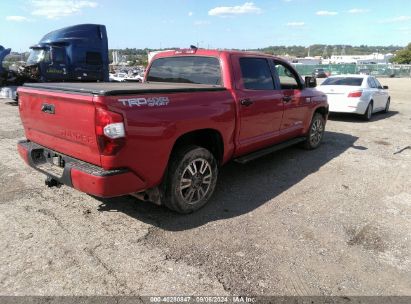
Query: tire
[368, 112]
[387, 105]
[191, 179]
[315, 133]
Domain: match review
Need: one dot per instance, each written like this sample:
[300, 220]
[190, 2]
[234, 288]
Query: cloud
[396, 19]
[17, 18]
[326, 13]
[246, 8]
[295, 24]
[54, 9]
[358, 10]
[201, 22]
[190, 14]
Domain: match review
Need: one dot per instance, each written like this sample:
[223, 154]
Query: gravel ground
[334, 221]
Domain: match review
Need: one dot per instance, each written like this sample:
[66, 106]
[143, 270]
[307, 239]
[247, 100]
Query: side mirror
[310, 82]
[385, 87]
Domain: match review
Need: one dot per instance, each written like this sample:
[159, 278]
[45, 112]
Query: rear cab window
[346, 81]
[186, 69]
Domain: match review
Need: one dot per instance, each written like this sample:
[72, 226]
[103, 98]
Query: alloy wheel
[196, 180]
[317, 129]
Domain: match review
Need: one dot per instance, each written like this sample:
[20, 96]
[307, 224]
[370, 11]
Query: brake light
[110, 131]
[185, 51]
[355, 94]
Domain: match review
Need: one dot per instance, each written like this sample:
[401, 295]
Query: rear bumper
[348, 105]
[80, 175]
[352, 109]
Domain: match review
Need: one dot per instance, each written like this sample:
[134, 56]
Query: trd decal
[149, 102]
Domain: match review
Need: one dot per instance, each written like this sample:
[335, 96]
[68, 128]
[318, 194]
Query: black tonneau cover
[117, 88]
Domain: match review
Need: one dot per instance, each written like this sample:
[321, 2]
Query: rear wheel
[316, 132]
[191, 179]
[368, 112]
[387, 106]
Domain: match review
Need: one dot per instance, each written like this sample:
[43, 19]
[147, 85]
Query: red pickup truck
[164, 140]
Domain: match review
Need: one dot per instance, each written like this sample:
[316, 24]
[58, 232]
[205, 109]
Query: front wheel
[387, 106]
[191, 179]
[316, 132]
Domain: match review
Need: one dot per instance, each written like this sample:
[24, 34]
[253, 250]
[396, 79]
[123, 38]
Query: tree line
[139, 56]
[328, 50]
[402, 55]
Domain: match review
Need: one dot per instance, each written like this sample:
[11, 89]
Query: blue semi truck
[74, 53]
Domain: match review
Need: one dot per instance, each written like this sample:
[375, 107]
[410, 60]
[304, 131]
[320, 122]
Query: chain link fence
[379, 70]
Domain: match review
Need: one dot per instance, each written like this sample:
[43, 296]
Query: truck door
[260, 105]
[57, 69]
[295, 107]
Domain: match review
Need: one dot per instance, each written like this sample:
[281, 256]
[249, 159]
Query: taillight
[110, 131]
[186, 51]
[355, 94]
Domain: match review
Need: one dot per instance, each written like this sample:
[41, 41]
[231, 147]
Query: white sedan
[359, 94]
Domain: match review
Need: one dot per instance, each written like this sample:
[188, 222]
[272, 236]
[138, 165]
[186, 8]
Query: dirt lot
[334, 221]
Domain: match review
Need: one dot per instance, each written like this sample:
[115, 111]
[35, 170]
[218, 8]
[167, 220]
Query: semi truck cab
[75, 53]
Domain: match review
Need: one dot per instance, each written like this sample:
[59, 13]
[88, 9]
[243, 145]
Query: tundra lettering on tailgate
[77, 136]
[150, 102]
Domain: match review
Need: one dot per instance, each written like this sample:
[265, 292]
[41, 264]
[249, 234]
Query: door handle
[246, 102]
[47, 108]
[287, 99]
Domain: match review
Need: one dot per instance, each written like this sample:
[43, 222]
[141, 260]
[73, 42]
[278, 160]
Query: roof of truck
[207, 52]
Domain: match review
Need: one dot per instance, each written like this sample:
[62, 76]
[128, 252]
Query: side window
[47, 56]
[372, 83]
[256, 74]
[288, 79]
[93, 58]
[59, 55]
[378, 83]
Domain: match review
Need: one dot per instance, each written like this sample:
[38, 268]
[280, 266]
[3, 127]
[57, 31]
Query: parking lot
[333, 221]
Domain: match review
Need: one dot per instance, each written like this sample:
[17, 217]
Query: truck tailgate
[61, 122]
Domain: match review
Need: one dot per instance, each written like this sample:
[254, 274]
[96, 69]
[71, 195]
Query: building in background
[374, 58]
[307, 60]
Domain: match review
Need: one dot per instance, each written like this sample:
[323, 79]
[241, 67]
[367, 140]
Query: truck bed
[117, 88]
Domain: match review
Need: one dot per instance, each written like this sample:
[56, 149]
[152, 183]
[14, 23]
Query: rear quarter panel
[151, 131]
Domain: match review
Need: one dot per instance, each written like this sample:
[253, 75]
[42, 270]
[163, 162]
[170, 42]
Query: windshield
[187, 69]
[37, 55]
[347, 81]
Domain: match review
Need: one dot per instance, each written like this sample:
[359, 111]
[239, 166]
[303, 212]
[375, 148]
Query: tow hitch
[51, 182]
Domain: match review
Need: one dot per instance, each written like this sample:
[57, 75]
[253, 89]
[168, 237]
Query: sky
[243, 24]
